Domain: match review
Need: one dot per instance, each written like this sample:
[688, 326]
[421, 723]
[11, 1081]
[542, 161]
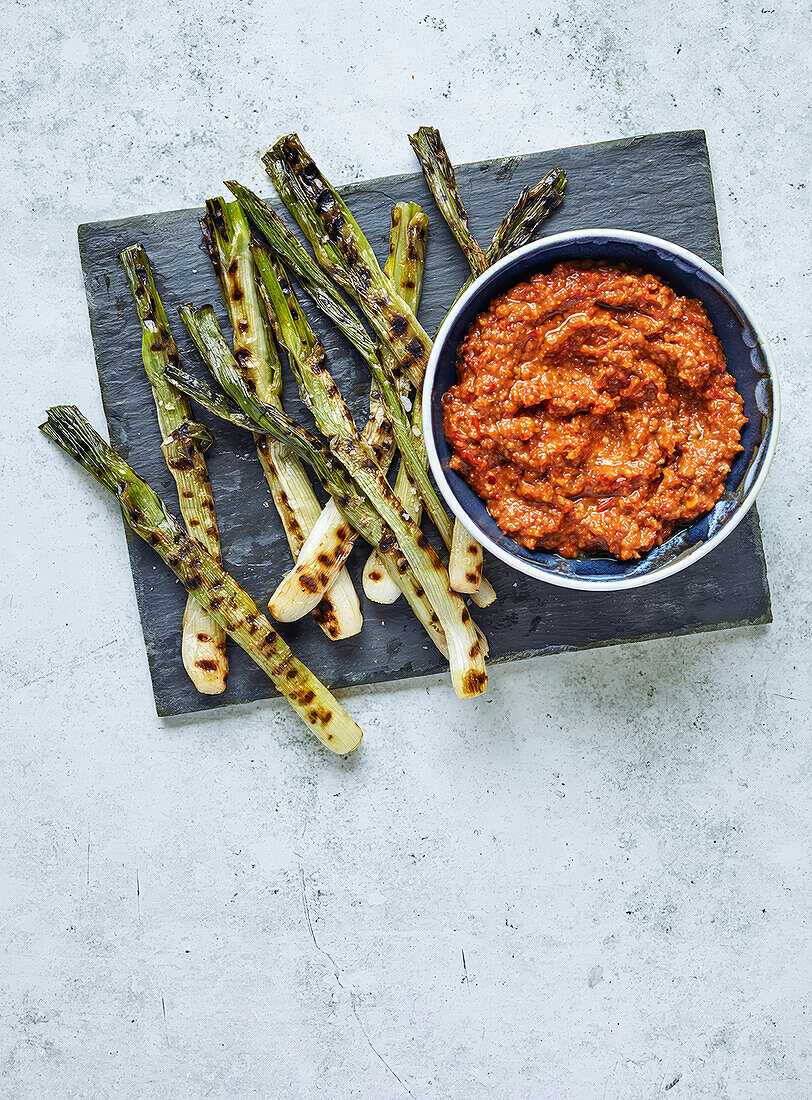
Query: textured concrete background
[593, 883]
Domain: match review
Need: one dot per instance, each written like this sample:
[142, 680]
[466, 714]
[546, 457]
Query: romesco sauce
[593, 411]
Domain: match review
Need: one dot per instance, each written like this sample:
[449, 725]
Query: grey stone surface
[616, 841]
[660, 184]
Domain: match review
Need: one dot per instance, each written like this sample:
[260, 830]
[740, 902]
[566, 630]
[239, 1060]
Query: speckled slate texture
[660, 184]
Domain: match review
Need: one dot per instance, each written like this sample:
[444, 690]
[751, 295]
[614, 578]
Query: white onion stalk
[320, 559]
[203, 640]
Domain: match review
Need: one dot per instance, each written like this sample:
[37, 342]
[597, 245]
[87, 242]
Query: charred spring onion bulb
[203, 640]
[205, 579]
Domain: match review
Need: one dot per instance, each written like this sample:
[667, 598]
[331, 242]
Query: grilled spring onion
[343, 251]
[405, 265]
[522, 220]
[286, 602]
[384, 525]
[518, 226]
[203, 640]
[205, 579]
[294, 255]
[228, 241]
[439, 173]
[329, 542]
[412, 487]
[386, 395]
[289, 250]
[292, 597]
[305, 352]
[251, 415]
[321, 395]
[308, 196]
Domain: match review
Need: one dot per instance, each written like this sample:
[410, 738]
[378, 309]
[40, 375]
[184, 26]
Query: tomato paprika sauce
[594, 411]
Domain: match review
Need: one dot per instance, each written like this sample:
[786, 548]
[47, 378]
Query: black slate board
[660, 184]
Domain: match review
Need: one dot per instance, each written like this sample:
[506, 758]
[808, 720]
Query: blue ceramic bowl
[748, 359]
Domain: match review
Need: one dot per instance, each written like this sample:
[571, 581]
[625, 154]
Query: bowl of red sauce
[602, 409]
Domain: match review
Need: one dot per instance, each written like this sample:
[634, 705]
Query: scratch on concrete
[306, 908]
[53, 672]
[377, 1053]
[336, 971]
[609, 1078]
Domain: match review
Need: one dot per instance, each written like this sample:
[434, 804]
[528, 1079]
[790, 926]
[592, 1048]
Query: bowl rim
[538, 572]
